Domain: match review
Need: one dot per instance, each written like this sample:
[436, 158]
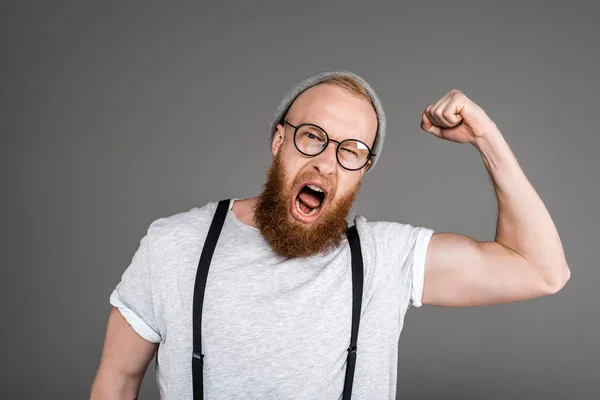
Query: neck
[244, 211]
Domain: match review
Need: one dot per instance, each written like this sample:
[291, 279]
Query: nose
[326, 162]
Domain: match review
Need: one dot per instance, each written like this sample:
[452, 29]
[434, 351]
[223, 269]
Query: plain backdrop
[115, 113]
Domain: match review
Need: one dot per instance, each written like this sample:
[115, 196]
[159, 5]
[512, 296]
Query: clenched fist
[456, 118]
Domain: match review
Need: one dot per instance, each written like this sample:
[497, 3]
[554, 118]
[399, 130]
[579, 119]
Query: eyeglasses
[311, 140]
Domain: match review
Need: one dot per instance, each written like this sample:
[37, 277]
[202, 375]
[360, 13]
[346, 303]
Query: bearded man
[276, 297]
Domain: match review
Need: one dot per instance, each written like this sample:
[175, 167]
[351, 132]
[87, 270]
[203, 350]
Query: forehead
[342, 114]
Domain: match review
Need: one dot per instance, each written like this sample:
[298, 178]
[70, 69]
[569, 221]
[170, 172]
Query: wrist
[489, 141]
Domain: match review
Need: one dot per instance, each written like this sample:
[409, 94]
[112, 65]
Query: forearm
[524, 224]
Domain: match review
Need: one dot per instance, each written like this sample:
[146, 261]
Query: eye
[350, 152]
[313, 136]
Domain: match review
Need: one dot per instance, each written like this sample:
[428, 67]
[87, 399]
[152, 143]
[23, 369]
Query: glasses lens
[353, 154]
[310, 140]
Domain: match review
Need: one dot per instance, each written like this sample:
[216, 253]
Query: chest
[274, 304]
[267, 321]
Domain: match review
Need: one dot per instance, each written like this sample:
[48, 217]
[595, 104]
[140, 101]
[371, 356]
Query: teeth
[315, 188]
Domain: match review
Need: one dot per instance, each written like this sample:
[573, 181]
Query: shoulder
[181, 227]
[387, 233]
[388, 240]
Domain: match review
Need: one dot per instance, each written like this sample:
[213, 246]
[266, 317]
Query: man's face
[302, 220]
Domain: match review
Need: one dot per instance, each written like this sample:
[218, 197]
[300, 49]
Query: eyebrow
[329, 134]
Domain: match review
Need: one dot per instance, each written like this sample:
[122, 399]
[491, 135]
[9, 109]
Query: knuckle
[459, 95]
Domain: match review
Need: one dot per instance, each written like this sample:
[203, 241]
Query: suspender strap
[199, 287]
[357, 292]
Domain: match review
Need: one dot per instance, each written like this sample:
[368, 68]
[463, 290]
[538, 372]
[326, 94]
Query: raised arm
[125, 358]
[526, 260]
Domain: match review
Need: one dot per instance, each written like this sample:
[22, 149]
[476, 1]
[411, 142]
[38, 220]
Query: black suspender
[201, 274]
[357, 292]
[200, 286]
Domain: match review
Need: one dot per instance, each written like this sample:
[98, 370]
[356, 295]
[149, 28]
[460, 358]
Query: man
[277, 306]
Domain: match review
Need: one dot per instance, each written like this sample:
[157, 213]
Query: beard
[289, 237]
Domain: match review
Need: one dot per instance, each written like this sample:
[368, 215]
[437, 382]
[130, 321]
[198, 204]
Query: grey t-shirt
[273, 327]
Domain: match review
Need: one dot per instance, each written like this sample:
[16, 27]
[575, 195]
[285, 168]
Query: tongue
[309, 198]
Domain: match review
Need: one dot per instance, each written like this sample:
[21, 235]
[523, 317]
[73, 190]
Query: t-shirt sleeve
[415, 263]
[397, 250]
[133, 296]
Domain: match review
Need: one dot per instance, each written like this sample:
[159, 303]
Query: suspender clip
[198, 355]
[352, 349]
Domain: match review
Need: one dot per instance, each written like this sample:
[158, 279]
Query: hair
[290, 238]
[351, 85]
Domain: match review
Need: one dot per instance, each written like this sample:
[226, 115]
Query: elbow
[555, 281]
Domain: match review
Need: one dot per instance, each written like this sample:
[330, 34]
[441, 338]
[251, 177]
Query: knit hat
[319, 77]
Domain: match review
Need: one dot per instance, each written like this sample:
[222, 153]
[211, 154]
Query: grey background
[116, 113]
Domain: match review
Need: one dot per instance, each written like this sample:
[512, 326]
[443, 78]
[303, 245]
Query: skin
[124, 361]
[526, 259]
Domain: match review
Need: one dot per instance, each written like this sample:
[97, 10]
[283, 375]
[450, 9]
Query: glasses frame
[337, 148]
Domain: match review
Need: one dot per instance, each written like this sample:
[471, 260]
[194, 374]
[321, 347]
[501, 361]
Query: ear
[277, 139]
[366, 168]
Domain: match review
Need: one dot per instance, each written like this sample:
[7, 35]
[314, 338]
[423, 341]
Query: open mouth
[309, 202]
[309, 199]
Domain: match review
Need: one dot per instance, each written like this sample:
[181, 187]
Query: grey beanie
[319, 77]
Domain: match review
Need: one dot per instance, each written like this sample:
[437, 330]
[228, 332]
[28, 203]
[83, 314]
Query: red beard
[291, 238]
